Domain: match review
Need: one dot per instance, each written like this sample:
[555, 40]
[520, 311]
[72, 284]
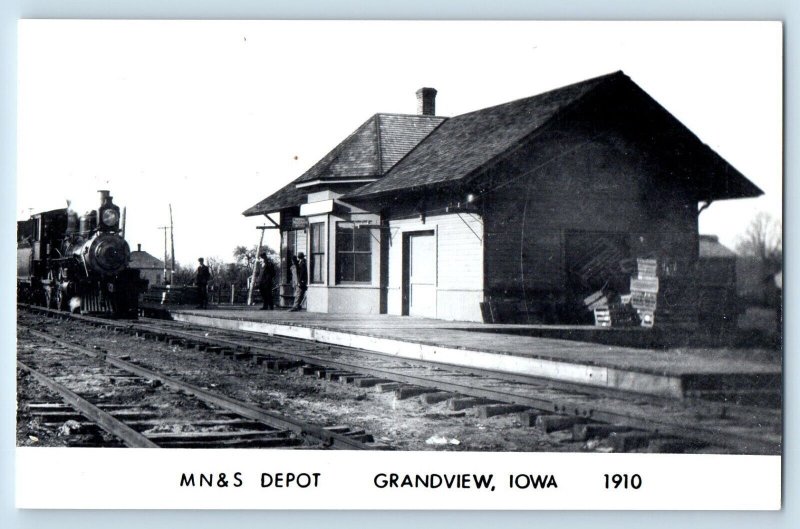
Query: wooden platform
[477, 345]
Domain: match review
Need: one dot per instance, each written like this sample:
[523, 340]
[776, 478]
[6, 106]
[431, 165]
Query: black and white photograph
[435, 240]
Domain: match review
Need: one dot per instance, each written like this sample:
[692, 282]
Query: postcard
[399, 265]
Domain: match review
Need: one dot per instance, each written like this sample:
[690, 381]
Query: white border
[75, 478]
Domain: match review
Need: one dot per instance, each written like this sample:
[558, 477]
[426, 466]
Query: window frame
[316, 252]
[342, 228]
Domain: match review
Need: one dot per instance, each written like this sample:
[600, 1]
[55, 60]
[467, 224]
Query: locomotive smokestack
[72, 219]
[105, 197]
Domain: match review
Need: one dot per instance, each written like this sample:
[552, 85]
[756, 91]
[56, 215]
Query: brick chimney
[426, 101]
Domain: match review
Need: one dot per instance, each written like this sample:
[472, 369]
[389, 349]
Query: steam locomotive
[77, 262]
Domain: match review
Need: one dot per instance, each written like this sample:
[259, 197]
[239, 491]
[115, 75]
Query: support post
[165, 228]
[255, 266]
[172, 246]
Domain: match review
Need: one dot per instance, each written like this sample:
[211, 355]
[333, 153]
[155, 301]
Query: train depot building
[512, 213]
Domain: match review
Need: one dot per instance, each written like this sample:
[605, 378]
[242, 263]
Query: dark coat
[203, 275]
[267, 275]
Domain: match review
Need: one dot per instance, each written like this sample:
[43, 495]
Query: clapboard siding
[459, 263]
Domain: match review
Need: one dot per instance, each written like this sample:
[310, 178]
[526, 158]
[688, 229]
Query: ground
[404, 424]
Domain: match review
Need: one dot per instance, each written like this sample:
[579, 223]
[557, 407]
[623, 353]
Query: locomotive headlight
[110, 217]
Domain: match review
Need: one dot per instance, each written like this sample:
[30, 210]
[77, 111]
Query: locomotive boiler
[77, 262]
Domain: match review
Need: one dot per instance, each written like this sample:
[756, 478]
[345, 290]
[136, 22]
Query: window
[353, 254]
[318, 252]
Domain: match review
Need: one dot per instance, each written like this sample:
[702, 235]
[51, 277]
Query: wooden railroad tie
[369, 382]
[406, 392]
[627, 441]
[593, 430]
[351, 378]
[457, 404]
[438, 396]
[552, 423]
[492, 410]
[386, 387]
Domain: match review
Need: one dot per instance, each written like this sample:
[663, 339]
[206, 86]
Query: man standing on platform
[301, 276]
[201, 279]
[266, 281]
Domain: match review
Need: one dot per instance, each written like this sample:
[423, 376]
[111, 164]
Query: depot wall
[459, 263]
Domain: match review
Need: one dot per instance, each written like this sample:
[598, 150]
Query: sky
[212, 117]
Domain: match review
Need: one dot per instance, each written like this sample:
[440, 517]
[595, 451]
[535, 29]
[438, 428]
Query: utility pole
[124, 221]
[165, 228]
[255, 265]
[172, 243]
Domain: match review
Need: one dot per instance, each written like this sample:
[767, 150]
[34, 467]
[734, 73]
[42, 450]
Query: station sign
[299, 223]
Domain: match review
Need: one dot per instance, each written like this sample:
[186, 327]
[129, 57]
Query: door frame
[405, 287]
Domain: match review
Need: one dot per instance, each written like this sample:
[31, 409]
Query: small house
[150, 267]
[718, 302]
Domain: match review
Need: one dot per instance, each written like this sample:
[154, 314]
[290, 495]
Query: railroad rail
[633, 419]
[281, 431]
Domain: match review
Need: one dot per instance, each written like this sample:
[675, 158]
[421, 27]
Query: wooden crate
[597, 300]
[602, 317]
[646, 268]
[647, 318]
[646, 284]
[646, 301]
[616, 316]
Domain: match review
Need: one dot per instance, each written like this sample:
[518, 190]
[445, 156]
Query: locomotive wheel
[49, 298]
[50, 291]
[62, 300]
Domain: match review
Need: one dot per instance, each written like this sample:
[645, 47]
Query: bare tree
[763, 240]
[217, 268]
[183, 275]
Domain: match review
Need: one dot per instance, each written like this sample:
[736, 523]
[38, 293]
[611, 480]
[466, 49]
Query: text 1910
[623, 481]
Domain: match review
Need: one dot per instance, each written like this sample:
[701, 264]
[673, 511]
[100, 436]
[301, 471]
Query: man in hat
[301, 278]
[202, 277]
[265, 282]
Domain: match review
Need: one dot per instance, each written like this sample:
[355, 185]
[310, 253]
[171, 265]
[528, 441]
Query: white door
[422, 276]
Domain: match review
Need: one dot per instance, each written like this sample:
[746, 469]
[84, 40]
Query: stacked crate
[598, 303]
[644, 291]
[616, 315]
[635, 308]
[610, 310]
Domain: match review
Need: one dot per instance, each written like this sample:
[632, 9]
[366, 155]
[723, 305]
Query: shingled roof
[371, 150]
[286, 197]
[711, 247]
[461, 146]
[407, 152]
[466, 142]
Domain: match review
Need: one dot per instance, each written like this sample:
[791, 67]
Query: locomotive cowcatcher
[78, 263]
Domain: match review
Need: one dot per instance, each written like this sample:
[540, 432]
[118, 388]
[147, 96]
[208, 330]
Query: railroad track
[630, 422]
[191, 418]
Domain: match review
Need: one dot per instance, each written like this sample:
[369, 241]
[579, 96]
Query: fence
[187, 295]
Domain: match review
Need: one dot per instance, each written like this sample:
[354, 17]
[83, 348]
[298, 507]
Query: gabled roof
[464, 145]
[405, 152]
[366, 154]
[142, 259]
[711, 247]
[286, 197]
[466, 142]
